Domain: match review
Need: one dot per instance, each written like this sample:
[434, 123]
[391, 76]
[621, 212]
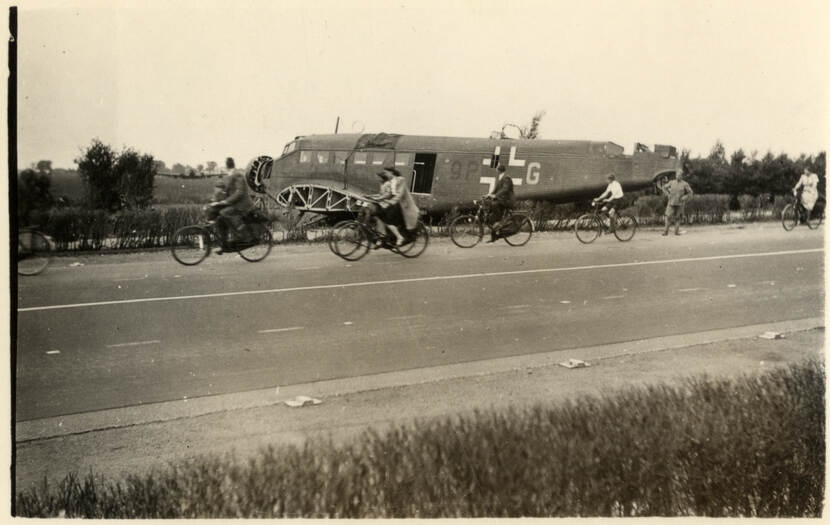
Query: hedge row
[746, 447]
[75, 228]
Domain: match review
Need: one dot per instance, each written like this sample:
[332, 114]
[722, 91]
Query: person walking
[678, 191]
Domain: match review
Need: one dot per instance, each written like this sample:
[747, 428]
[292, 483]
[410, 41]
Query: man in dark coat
[233, 208]
[502, 200]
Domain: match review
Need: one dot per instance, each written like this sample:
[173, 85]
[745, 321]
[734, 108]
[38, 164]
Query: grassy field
[752, 446]
[168, 190]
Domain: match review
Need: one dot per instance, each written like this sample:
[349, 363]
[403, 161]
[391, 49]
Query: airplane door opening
[422, 173]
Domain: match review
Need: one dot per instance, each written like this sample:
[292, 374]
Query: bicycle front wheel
[524, 230]
[466, 231]
[33, 252]
[191, 245]
[626, 228]
[418, 243]
[587, 228]
[789, 217]
[260, 245]
[349, 241]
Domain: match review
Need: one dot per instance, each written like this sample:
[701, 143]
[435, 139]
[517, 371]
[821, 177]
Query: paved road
[125, 330]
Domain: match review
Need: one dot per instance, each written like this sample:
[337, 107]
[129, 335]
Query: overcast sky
[197, 82]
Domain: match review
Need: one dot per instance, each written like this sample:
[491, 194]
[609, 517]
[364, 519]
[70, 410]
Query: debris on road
[574, 363]
[772, 335]
[301, 401]
[76, 263]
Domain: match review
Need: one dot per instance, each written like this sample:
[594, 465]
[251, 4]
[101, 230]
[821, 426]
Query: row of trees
[116, 180]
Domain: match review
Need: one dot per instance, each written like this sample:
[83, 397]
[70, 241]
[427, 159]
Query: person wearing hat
[233, 208]
[612, 198]
[398, 208]
[502, 200]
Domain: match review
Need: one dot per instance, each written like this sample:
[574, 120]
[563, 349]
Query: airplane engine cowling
[259, 171]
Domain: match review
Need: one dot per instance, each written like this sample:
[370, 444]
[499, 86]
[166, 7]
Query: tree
[200, 168]
[136, 174]
[44, 166]
[229, 164]
[178, 168]
[96, 168]
[211, 166]
[33, 193]
[159, 165]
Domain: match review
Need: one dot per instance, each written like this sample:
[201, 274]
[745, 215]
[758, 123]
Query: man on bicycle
[502, 199]
[612, 197]
[232, 209]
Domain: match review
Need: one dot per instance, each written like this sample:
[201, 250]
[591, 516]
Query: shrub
[33, 193]
[747, 447]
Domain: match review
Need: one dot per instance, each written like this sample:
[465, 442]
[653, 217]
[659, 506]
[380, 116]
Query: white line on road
[405, 317]
[272, 330]
[515, 306]
[52, 352]
[690, 289]
[614, 297]
[135, 343]
[417, 279]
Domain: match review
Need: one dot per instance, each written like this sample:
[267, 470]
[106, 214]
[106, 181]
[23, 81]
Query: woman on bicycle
[808, 183]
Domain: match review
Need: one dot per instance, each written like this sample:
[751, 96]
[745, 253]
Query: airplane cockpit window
[322, 157]
[289, 148]
[305, 157]
[378, 158]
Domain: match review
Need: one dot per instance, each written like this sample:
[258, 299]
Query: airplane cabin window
[322, 157]
[305, 156]
[401, 159]
[360, 158]
[341, 156]
[378, 158]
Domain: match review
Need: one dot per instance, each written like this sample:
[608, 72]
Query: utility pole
[337, 125]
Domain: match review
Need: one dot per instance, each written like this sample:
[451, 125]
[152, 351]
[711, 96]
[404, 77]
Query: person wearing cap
[502, 200]
[612, 198]
[678, 191]
[233, 207]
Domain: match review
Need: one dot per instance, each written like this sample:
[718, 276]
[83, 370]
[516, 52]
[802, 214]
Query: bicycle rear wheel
[33, 252]
[349, 241]
[261, 243]
[587, 228]
[191, 245]
[466, 231]
[524, 230]
[626, 228]
[419, 242]
[813, 218]
[789, 217]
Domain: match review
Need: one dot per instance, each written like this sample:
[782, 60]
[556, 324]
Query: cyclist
[808, 184]
[612, 197]
[232, 209]
[502, 199]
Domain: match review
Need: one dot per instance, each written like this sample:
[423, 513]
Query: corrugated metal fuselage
[443, 172]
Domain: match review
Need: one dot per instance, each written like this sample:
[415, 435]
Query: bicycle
[591, 225]
[467, 230]
[351, 239]
[34, 251]
[192, 244]
[795, 212]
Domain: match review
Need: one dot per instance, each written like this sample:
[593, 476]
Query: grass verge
[752, 446]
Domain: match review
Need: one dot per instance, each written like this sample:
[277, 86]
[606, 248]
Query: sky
[193, 82]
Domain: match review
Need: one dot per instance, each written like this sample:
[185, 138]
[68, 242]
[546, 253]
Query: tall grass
[745, 447]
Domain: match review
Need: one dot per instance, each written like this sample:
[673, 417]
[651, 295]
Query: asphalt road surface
[126, 330]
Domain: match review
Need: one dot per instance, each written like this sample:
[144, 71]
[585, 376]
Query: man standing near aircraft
[502, 201]
[678, 191]
[612, 196]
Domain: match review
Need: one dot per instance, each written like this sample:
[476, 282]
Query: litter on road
[301, 401]
[574, 363]
[772, 335]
